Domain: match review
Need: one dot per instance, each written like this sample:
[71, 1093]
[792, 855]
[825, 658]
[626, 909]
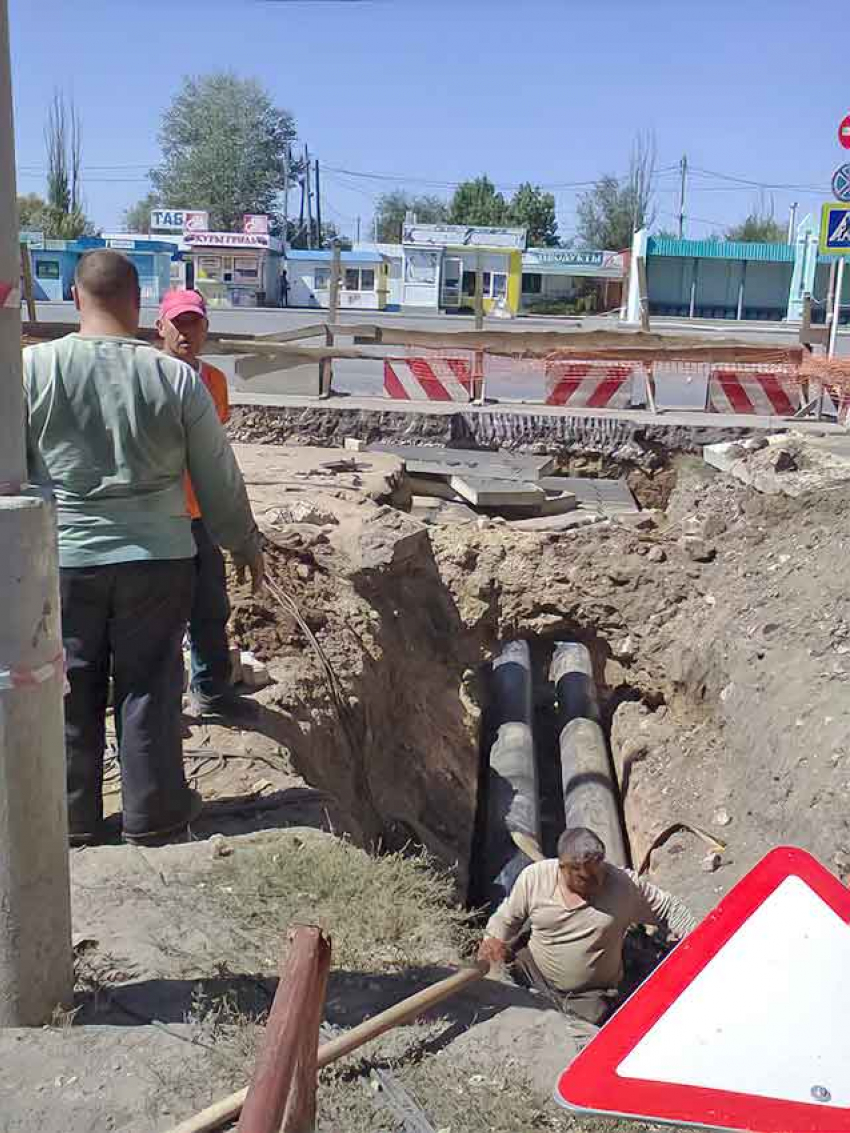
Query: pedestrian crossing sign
[835, 229]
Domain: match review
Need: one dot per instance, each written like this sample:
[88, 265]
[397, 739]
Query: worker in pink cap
[183, 327]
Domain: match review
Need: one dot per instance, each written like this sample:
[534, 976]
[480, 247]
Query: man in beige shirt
[578, 909]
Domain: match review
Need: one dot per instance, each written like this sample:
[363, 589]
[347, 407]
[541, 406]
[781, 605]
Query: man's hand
[492, 950]
[256, 564]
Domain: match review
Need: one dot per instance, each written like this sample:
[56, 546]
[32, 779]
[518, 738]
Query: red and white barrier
[589, 385]
[428, 379]
[10, 295]
[744, 391]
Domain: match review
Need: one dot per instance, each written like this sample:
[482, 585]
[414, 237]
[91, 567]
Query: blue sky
[437, 91]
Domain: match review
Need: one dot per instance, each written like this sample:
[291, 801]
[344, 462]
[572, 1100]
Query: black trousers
[127, 619]
[208, 621]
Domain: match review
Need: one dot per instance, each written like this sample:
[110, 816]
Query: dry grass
[382, 912]
[456, 1097]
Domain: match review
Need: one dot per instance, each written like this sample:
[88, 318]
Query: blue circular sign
[841, 183]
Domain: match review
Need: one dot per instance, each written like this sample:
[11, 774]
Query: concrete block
[436, 486]
[497, 493]
[255, 675]
[354, 444]
[568, 522]
[235, 665]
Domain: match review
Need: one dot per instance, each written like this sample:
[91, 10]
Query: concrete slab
[613, 495]
[503, 465]
[494, 493]
[567, 522]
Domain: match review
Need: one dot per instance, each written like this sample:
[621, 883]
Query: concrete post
[513, 797]
[36, 972]
[590, 793]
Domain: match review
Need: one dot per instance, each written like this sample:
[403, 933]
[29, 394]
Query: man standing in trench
[579, 909]
[183, 326]
[113, 426]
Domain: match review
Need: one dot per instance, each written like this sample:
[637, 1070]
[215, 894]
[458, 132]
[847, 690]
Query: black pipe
[590, 792]
[513, 804]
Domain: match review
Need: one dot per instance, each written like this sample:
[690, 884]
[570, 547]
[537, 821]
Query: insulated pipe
[590, 793]
[513, 805]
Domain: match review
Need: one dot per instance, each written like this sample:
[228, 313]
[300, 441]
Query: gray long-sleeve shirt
[113, 425]
[581, 948]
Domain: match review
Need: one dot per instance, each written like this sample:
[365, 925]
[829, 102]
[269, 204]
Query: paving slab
[494, 493]
[611, 495]
[436, 460]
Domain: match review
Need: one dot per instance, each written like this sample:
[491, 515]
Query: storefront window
[532, 283]
[367, 279]
[47, 269]
[500, 285]
[421, 267]
[352, 279]
[247, 269]
[321, 279]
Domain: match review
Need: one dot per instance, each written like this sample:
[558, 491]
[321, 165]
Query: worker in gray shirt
[578, 908]
[113, 426]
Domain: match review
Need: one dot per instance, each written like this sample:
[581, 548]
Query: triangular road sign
[746, 1025]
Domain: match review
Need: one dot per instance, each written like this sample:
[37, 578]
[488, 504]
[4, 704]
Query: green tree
[391, 209]
[533, 209]
[137, 218]
[610, 213]
[64, 217]
[758, 228]
[478, 202]
[31, 212]
[223, 143]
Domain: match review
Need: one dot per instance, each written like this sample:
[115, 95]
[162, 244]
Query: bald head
[106, 289]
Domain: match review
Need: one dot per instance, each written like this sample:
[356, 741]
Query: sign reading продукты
[835, 229]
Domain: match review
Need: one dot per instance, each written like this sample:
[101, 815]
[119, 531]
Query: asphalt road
[365, 377]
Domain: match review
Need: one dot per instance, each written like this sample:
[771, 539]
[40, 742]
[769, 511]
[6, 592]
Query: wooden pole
[285, 1077]
[214, 1116]
[479, 293]
[836, 310]
[26, 272]
[326, 365]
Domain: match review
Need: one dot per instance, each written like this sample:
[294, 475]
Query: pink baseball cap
[176, 303]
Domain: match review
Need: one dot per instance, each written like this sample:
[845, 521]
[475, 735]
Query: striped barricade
[428, 379]
[765, 392]
[590, 385]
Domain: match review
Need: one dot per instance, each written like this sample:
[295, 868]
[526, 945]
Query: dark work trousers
[208, 622]
[128, 618]
[594, 1005]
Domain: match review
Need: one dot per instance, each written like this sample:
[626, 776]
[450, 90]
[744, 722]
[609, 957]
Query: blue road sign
[841, 183]
[835, 229]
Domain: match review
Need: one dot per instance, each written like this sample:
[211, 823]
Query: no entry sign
[745, 1025]
[844, 132]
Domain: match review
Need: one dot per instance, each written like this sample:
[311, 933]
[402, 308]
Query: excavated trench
[388, 709]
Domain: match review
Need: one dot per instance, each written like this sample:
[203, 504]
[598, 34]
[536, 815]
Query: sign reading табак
[180, 220]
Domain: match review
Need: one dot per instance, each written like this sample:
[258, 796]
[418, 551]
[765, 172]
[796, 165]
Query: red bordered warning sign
[746, 1025]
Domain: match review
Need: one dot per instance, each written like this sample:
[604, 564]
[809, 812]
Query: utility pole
[318, 208]
[357, 230]
[285, 195]
[683, 167]
[836, 310]
[36, 967]
[792, 223]
[309, 198]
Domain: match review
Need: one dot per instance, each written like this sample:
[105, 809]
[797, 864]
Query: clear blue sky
[550, 91]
